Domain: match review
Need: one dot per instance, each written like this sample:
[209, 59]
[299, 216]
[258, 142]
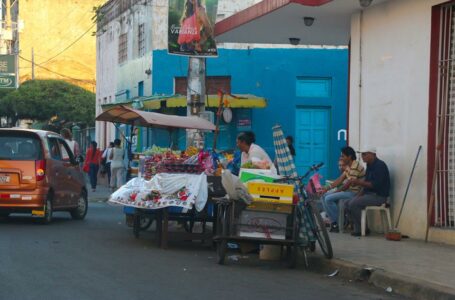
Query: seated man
[347, 191]
[375, 188]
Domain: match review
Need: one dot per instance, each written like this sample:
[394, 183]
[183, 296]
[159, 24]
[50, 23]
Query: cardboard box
[271, 192]
[264, 225]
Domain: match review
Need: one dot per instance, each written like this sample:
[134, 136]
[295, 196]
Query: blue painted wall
[272, 73]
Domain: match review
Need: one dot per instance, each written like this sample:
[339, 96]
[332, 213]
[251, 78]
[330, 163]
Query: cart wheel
[145, 222]
[221, 245]
[320, 231]
[293, 254]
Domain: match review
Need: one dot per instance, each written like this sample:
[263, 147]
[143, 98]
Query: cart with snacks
[269, 217]
[282, 212]
[171, 185]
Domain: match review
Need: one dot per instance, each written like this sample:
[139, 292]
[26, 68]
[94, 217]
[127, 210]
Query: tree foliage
[43, 100]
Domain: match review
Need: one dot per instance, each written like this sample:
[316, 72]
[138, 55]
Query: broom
[395, 234]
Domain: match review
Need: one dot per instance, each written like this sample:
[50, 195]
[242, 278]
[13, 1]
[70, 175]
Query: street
[99, 258]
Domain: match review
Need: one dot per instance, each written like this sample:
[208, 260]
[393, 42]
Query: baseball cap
[366, 149]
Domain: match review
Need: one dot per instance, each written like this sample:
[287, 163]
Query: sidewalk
[101, 194]
[411, 268]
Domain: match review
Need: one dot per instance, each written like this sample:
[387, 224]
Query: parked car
[39, 175]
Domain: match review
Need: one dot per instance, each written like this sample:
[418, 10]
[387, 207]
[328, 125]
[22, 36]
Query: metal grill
[444, 209]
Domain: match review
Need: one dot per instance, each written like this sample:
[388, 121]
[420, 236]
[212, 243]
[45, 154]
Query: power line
[70, 45]
[59, 74]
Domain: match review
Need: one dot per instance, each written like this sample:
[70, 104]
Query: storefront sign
[7, 71]
[191, 27]
[7, 81]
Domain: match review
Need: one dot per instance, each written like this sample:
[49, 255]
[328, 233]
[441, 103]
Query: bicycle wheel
[320, 231]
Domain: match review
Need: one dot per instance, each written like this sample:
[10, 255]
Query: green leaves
[40, 100]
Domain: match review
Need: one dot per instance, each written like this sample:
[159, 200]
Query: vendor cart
[267, 224]
[141, 218]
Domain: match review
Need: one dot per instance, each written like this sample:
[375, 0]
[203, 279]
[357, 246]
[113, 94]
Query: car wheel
[48, 210]
[82, 206]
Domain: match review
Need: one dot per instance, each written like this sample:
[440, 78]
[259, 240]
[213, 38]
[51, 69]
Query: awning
[125, 115]
[154, 102]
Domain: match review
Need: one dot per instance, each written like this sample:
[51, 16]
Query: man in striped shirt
[354, 170]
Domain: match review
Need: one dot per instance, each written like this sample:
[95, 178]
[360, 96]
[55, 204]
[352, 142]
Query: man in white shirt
[253, 153]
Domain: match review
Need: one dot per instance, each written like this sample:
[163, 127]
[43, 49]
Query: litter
[233, 257]
[389, 289]
[334, 273]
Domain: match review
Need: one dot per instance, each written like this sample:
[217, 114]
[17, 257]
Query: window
[141, 40]
[212, 83]
[67, 154]
[54, 149]
[441, 125]
[314, 87]
[122, 48]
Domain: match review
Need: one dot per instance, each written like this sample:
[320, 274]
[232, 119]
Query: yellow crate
[271, 192]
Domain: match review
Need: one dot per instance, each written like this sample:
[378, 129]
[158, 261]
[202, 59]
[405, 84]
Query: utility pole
[195, 98]
[33, 65]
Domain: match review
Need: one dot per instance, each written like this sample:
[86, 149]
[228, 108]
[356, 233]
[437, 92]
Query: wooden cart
[231, 228]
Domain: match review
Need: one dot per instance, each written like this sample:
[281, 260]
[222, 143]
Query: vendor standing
[253, 153]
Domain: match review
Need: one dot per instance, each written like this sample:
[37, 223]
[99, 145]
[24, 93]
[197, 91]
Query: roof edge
[259, 10]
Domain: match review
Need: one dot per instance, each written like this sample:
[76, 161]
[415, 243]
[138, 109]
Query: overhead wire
[70, 45]
[57, 73]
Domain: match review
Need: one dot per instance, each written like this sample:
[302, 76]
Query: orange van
[39, 175]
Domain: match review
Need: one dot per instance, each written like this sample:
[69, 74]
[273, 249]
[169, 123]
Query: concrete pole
[195, 98]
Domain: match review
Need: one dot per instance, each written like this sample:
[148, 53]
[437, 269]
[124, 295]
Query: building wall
[50, 26]
[272, 73]
[389, 91]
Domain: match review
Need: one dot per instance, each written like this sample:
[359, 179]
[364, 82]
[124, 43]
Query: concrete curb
[401, 284]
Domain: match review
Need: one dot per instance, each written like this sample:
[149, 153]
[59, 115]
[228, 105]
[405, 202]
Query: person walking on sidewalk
[93, 160]
[375, 188]
[106, 157]
[331, 199]
[117, 156]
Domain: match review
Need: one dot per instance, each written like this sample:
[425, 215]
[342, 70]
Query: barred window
[141, 40]
[122, 48]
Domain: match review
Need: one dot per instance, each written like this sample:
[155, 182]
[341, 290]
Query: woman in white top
[117, 165]
[252, 152]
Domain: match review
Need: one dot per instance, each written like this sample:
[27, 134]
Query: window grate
[141, 40]
[122, 48]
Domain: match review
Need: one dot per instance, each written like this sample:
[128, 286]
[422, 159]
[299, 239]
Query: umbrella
[283, 155]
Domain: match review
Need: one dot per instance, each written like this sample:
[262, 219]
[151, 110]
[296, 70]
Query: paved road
[98, 258]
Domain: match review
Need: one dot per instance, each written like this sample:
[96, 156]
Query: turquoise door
[312, 139]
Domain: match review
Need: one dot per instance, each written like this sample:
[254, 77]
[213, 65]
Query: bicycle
[310, 214]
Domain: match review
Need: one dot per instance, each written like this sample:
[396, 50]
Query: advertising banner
[7, 71]
[191, 27]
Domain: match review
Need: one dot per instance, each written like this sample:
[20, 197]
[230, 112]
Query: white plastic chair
[385, 212]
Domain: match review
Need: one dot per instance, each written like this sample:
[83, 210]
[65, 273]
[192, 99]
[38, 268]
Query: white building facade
[127, 34]
[400, 91]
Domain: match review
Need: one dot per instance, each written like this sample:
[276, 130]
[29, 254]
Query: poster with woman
[191, 27]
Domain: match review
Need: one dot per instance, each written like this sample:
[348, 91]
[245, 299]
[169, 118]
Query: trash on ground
[334, 273]
[233, 257]
[389, 289]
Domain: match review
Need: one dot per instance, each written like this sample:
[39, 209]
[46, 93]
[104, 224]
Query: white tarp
[164, 190]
